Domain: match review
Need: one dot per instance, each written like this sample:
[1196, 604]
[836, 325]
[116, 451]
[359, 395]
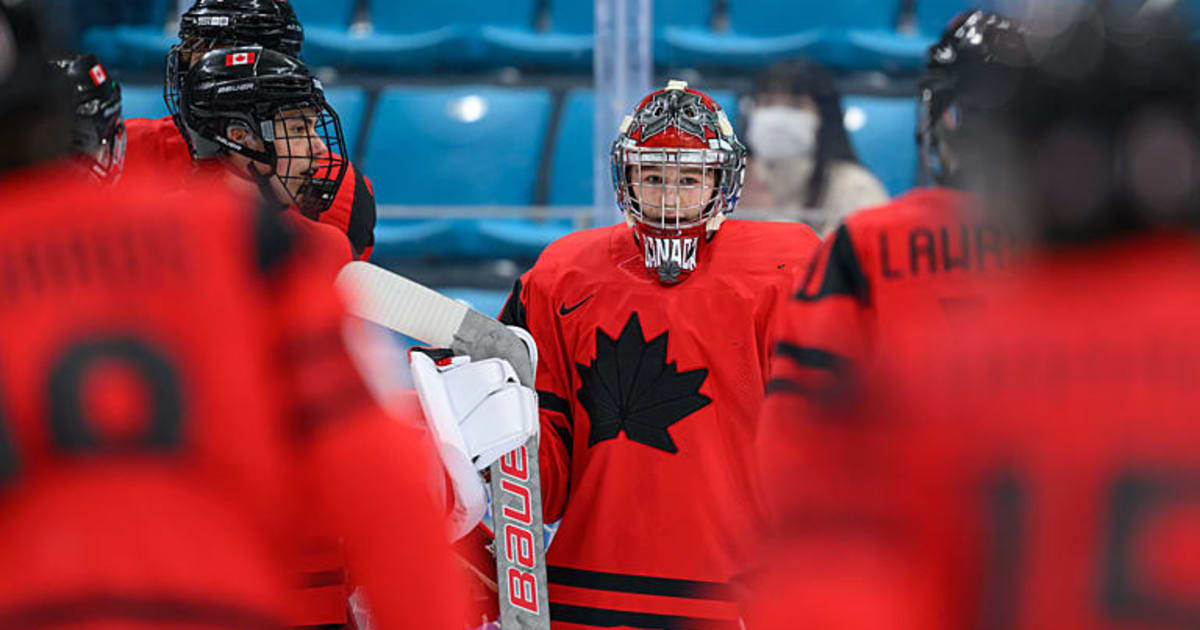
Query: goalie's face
[672, 194]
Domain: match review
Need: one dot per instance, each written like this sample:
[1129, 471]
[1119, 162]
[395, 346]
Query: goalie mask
[98, 131]
[677, 169]
[267, 107]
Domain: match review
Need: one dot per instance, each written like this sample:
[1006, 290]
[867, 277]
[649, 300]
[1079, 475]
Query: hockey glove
[477, 411]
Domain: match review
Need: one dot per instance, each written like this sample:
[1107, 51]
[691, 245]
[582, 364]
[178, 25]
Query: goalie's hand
[478, 411]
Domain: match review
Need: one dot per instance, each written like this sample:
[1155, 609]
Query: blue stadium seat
[424, 34]
[856, 34]
[457, 145]
[351, 105]
[680, 19]
[466, 238]
[137, 36]
[569, 41]
[412, 238]
[142, 101]
[882, 129]
[515, 238]
[326, 29]
[567, 44]
[571, 161]
[324, 13]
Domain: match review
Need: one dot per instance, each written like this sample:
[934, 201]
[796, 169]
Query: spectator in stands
[802, 166]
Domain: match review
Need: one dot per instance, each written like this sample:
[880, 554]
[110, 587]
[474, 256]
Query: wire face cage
[677, 163]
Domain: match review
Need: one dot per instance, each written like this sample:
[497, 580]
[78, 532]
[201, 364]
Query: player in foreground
[917, 257]
[98, 135]
[161, 146]
[651, 337]
[1035, 466]
[176, 397]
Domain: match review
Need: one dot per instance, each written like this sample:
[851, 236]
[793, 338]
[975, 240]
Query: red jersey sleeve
[367, 472]
[821, 334]
[844, 553]
[528, 308]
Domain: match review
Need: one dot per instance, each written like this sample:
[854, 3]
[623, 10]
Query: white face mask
[778, 132]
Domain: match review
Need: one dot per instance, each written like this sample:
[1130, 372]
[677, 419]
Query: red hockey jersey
[176, 399]
[154, 148]
[1033, 468]
[649, 400]
[913, 258]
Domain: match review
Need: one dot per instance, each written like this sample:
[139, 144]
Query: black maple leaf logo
[630, 387]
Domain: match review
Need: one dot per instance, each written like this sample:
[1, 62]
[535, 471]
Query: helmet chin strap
[262, 181]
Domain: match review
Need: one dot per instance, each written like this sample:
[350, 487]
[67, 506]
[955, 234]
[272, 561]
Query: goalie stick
[395, 302]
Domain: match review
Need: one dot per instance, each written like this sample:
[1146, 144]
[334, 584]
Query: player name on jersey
[944, 249]
[662, 251]
[108, 257]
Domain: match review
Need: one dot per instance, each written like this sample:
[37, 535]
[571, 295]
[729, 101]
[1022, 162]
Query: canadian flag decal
[98, 75]
[239, 59]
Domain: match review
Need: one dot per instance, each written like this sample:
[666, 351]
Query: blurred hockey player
[1035, 464]
[177, 396]
[161, 146]
[98, 135]
[651, 337]
[914, 257]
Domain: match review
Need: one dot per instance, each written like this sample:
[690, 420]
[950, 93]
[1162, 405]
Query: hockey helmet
[290, 129]
[98, 135]
[972, 67]
[212, 24]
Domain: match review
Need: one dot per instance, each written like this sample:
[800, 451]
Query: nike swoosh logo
[564, 311]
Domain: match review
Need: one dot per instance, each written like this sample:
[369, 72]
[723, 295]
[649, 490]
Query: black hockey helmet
[212, 24]
[268, 23]
[1101, 136]
[98, 135]
[35, 112]
[969, 70]
[290, 130]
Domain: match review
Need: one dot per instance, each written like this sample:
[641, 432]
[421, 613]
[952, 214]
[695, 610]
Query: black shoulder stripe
[549, 401]
[845, 385]
[513, 313]
[813, 358]
[788, 386]
[273, 240]
[361, 230]
[843, 273]
[553, 402]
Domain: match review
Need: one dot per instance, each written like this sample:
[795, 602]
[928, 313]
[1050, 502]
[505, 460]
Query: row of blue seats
[482, 145]
[420, 35]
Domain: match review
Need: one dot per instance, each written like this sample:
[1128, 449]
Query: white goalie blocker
[483, 410]
[478, 411]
